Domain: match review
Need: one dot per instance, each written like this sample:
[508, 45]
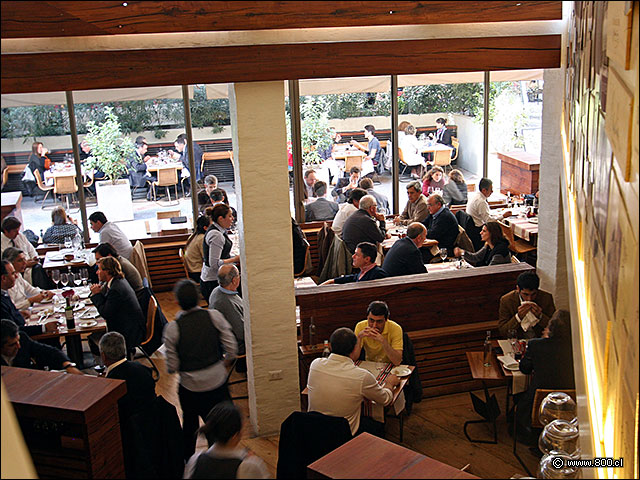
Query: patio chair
[167, 177]
[442, 158]
[43, 187]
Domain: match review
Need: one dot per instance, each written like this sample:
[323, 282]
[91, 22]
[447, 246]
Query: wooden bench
[445, 314]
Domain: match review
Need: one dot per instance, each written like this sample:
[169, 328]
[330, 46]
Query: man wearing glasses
[441, 226]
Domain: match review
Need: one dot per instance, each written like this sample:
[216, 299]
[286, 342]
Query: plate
[47, 300]
[56, 257]
[88, 324]
[84, 295]
[90, 313]
[533, 220]
[77, 260]
[401, 371]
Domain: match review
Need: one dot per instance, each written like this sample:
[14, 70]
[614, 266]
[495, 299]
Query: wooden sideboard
[520, 172]
[69, 422]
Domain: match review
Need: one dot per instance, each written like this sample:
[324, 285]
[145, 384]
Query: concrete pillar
[262, 192]
[552, 265]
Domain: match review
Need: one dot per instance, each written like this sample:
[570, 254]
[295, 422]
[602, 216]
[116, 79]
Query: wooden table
[426, 148]
[394, 231]
[489, 409]
[70, 422]
[51, 264]
[520, 172]
[368, 456]
[165, 227]
[73, 337]
[154, 167]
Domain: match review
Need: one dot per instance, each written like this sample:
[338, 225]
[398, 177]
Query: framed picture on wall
[619, 125]
[601, 160]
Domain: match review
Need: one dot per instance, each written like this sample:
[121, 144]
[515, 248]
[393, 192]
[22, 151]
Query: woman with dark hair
[225, 458]
[432, 181]
[216, 247]
[495, 250]
[62, 227]
[550, 359]
[38, 159]
[193, 250]
[455, 191]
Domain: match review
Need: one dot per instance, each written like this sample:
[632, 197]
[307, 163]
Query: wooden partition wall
[445, 315]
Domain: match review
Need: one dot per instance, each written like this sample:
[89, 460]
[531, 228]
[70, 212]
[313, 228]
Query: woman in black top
[38, 159]
[495, 250]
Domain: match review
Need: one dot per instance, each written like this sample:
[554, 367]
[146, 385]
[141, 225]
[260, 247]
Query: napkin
[507, 360]
[529, 319]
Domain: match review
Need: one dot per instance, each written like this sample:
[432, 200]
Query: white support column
[262, 192]
[552, 264]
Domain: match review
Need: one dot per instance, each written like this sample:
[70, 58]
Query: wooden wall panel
[64, 19]
[23, 73]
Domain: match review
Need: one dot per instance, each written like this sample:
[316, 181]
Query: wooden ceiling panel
[23, 73]
[28, 19]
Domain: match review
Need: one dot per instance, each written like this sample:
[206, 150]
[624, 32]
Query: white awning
[93, 96]
[326, 86]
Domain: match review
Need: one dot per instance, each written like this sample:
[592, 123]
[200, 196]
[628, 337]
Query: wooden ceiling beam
[24, 73]
[30, 19]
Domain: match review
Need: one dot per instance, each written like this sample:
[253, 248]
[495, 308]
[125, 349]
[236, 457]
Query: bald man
[404, 258]
[225, 299]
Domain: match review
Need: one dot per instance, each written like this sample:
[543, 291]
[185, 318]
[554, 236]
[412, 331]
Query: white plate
[401, 371]
[514, 367]
[90, 313]
[84, 295]
[77, 260]
[88, 324]
[56, 257]
[533, 220]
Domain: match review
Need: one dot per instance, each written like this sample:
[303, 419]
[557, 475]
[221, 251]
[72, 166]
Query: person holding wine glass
[63, 229]
[441, 226]
[495, 250]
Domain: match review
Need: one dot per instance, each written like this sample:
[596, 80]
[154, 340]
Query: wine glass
[68, 243]
[76, 279]
[84, 275]
[64, 279]
[55, 276]
[443, 254]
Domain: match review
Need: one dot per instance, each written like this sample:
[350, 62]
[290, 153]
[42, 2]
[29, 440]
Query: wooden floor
[434, 427]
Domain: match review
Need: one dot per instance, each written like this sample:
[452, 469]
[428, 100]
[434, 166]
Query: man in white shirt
[478, 209]
[11, 237]
[23, 294]
[337, 386]
[111, 233]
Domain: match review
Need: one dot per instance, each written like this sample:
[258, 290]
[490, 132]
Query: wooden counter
[520, 172]
[69, 422]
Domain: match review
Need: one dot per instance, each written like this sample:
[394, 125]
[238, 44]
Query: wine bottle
[487, 350]
[68, 315]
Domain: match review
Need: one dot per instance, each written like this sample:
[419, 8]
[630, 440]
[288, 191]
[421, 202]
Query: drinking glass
[64, 279]
[77, 279]
[84, 275]
[68, 243]
[443, 254]
[55, 276]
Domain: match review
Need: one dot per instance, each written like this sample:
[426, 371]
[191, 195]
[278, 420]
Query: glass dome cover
[557, 405]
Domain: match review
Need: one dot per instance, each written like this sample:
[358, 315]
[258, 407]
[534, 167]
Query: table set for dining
[86, 320]
[525, 226]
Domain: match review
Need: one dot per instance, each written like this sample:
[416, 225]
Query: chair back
[139, 260]
[89, 181]
[151, 316]
[167, 214]
[455, 143]
[514, 259]
[442, 158]
[507, 231]
[463, 241]
[352, 162]
[64, 185]
[39, 181]
[539, 396]
[184, 262]
[401, 155]
[167, 177]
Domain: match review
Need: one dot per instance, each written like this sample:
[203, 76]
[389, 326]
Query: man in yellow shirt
[380, 337]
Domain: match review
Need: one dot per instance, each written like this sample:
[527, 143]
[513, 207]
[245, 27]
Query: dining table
[87, 320]
[54, 259]
[154, 166]
[368, 456]
[524, 226]
[399, 231]
[430, 147]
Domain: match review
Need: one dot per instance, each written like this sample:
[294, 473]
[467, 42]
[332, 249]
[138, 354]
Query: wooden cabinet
[520, 172]
[69, 422]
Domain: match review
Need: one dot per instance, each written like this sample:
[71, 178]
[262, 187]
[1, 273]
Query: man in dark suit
[137, 165]
[321, 209]
[365, 260]
[141, 389]
[18, 350]
[404, 258]
[183, 156]
[117, 303]
[526, 309]
[441, 226]
[345, 185]
[365, 225]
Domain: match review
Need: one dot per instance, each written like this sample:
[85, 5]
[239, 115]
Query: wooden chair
[514, 259]
[442, 158]
[242, 358]
[404, 166]
[184, 262]
[65, 186]
[42, 187]
[87, 183]
[151, 316]
[455, 143]
[538, 397]
[517, 246]
[167, 177]
[167, 214]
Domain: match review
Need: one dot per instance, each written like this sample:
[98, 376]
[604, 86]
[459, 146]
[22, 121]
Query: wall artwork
[618, 31]
[601, 161]
[619, 125]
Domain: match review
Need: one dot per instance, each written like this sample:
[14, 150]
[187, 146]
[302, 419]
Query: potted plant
[110, 150]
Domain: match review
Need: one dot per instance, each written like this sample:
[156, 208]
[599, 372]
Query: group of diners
[337, 386]
[363, 228]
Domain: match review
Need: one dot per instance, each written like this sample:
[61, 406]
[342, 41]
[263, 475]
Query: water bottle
[312, 334]
[326, 351]
[487, 350]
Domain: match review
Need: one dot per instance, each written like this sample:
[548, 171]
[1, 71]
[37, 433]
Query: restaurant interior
[569, 147]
